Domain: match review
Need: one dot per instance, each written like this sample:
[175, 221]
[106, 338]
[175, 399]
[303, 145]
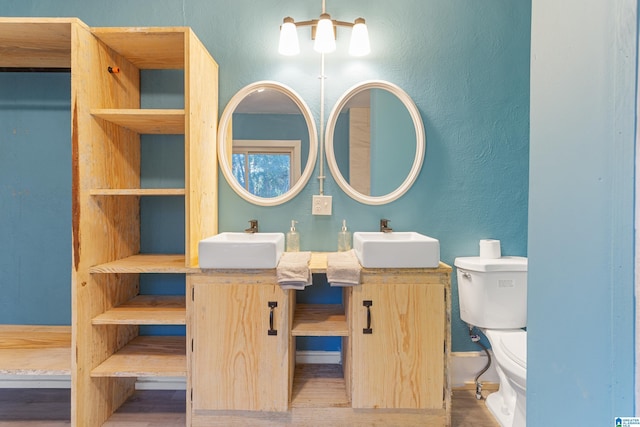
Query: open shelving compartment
[36, 44]
[322, 385]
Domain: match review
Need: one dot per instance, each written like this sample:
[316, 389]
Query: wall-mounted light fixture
[323, 31]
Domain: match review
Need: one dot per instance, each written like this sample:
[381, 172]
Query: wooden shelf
[319, 386]
[147, 47]
[137, 192]
[146, 310]
[319, 320]
[318, 262]
[143, 263]
[147, 357]
[145, 121]
[35, 350]
[36, 42]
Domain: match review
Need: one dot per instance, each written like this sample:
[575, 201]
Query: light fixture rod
[315, 22]
[321, 176]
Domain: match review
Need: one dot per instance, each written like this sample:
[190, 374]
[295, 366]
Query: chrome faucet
[253, 226]
[384, 226]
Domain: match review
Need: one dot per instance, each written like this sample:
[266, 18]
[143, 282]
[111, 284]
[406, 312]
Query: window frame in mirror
[223, 130]
[420, 142]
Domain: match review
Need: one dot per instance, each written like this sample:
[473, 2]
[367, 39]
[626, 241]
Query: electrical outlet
[321, 205]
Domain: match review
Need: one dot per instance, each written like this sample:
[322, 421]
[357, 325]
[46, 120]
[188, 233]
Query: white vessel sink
[396, 250]
[241, 250]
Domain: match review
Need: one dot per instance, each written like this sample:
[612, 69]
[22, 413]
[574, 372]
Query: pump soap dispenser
[344, 238]
[293, 238]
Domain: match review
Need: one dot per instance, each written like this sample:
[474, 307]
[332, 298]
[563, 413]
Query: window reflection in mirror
[267, 143]
[266, 168]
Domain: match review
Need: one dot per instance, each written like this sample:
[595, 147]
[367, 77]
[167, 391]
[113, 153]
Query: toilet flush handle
[466, 275]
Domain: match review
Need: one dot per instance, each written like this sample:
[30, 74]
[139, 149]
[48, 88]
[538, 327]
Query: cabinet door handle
[272, 306]
[368, 304]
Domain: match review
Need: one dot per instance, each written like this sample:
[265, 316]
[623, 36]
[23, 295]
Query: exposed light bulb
[288, 38]
[325, 37]
[359, 45]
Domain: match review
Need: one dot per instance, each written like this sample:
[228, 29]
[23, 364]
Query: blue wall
[35, 198]
[466, 64]
[581, 213]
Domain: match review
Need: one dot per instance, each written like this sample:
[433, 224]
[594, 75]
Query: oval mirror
[375, 142]
[267, 143]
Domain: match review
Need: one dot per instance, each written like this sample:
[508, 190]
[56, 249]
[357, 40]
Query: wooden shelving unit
[107, 127]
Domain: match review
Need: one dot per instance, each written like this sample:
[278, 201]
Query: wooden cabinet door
[398, 346]
[240, 347]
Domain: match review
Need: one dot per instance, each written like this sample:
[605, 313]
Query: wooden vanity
[395, 350]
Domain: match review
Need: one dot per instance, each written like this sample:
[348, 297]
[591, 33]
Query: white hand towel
[293, 270]
[343, 269]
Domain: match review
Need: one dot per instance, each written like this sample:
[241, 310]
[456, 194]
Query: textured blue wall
[35, 198]
[581, 213]
[465, 64]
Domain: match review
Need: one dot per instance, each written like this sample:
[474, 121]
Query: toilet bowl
[508, 405]
[492, 295]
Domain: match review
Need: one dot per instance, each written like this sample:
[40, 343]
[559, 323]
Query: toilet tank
[492, 292]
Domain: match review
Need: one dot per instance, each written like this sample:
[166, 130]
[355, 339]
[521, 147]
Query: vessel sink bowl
[241, 250]
[396, 250]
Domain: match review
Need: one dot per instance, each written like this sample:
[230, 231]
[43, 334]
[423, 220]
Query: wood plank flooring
[51, 408]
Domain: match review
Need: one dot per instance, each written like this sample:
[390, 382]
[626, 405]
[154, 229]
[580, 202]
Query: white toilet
[493, 297]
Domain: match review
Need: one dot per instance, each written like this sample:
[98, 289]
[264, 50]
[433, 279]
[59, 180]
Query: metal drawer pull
[368, 304]
[272, 305]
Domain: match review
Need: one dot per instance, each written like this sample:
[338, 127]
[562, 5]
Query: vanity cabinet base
[318, 417]
[395, 330]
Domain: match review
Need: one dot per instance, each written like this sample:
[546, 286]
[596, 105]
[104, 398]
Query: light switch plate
[321, 205]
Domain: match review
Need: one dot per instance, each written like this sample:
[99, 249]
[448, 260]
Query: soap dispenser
[344, 238]
[293, 238]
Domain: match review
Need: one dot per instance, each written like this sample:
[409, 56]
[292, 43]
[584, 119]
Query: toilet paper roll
[490, 248]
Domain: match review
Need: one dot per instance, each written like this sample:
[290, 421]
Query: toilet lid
[515, 346]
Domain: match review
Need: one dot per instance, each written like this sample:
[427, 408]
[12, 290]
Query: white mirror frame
[225, 120]
[420, 142]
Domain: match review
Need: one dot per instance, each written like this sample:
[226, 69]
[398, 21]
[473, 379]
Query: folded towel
[293, 270]
[343, 269]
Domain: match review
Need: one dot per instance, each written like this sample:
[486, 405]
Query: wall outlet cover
[321, 205]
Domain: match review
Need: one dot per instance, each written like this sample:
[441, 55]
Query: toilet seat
[510, 346]
[515, 347]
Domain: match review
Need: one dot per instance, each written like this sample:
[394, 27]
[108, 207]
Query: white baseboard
[161, 383]
[464, 368]
[318, 357]
[35, 381]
